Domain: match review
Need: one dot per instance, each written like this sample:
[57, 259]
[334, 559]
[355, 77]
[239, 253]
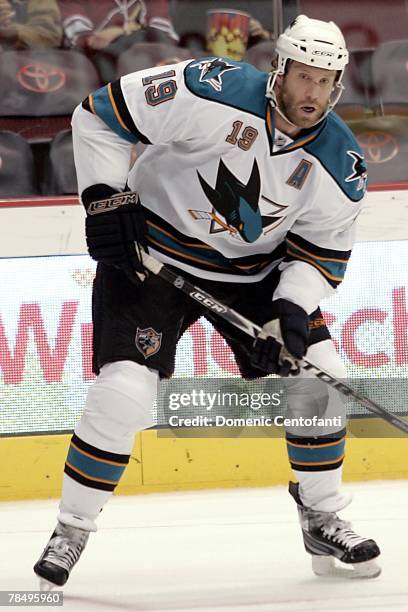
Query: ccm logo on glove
[119, 199]
[115, 229]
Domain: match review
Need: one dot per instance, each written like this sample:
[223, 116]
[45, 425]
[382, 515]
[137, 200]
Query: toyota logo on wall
[41, 78]
[379, 147]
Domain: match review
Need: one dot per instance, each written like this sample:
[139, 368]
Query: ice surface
[232, 550]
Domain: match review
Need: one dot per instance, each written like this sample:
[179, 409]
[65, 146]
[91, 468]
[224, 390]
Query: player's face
[303, 93]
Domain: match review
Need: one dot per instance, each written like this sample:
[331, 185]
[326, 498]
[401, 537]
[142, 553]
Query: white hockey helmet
[315, 43]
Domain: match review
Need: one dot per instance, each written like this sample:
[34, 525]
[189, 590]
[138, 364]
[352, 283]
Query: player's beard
[291, 108]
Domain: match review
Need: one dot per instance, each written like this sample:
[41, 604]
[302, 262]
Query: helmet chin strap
[270, 93]
[273, 102]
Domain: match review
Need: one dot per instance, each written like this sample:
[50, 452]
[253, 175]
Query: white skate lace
[339, 531]
[65, 552]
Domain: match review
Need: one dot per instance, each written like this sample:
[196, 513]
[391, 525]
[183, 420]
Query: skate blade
[46, 585]
[326, 567]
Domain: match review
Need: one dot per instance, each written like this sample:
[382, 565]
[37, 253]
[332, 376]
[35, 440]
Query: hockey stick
[253, 330]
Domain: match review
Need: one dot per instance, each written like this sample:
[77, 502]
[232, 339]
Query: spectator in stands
[257, 33]
[197, 42]
[104, 29]
[30, 24]
[97, 24]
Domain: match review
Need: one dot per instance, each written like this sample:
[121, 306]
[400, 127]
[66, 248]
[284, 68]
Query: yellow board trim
[172, 463]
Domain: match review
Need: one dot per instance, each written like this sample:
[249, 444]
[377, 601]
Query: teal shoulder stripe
[104, 109]
[340, 154]
[227, 82]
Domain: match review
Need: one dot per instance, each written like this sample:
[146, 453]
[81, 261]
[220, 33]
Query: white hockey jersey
[226, 195]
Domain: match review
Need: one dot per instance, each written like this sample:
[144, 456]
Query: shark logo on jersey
[225, 205]
[212, 71]
[359, 171]
[236, 202]
[271, 220]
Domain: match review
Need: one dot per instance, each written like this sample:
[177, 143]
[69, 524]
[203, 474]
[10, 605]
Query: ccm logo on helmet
[326, 53]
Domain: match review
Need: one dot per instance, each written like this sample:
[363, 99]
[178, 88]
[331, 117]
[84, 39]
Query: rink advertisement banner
[46, 335]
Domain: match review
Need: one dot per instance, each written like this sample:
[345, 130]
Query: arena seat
[384, 141]
[390, 76]
[17, 170]
[60, 176]
[40, 89]
[260, 55]
[145, 55]
[356, 99]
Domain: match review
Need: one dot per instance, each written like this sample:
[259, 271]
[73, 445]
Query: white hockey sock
[118, 405]
[322, 490]
[80, 505]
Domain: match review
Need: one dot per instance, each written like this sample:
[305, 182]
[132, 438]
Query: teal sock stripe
[316, 455]
[93, 468]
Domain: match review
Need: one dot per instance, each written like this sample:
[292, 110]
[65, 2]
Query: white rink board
[59, 229]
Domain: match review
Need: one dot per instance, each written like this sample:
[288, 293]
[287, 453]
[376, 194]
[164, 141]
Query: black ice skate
[60, 555]
[326, 537]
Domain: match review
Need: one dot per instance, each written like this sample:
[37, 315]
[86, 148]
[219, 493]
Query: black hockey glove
[115, 229]
[292, 327]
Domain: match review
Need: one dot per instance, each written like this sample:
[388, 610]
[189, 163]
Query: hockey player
[249, 181]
